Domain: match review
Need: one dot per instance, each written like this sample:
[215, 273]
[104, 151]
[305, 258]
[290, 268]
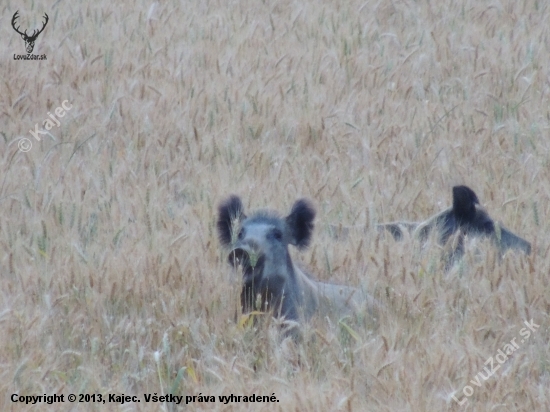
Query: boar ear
[300, 223]
[464, 203]
[229, 211]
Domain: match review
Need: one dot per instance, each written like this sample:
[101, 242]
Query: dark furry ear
[464, 203]
[300, 223]
[229, 211]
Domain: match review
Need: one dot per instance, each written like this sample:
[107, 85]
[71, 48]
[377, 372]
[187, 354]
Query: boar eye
[277, 234]
[241, 234]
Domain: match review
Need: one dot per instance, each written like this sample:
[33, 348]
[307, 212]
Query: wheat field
[112, 279]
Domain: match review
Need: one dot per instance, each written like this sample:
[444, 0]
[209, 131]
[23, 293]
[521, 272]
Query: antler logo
[29, 40]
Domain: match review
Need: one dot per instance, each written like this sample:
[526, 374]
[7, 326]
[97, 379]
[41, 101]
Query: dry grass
[374, 110]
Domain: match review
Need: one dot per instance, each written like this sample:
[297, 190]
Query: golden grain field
[112, 279]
